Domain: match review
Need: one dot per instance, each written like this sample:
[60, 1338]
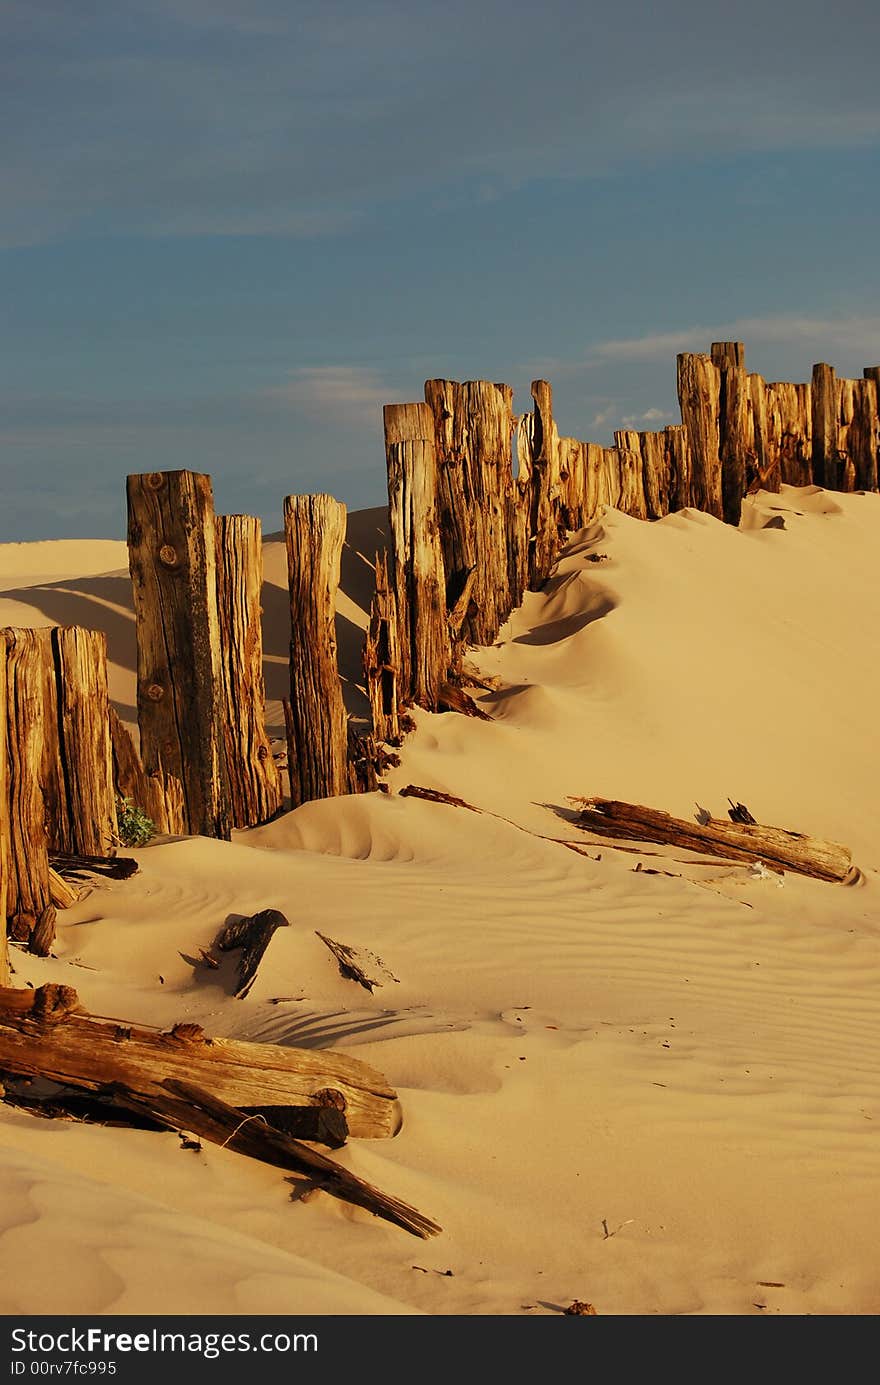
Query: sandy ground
[657, 1092]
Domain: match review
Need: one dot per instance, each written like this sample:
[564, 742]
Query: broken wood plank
[77, 867]
[42, 1035]
[252, 935]
[350, 967]
[454, 699]
[737, 841]
[182, 1105]
[436, 796]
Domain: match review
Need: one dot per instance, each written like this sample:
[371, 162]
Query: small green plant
[133, 825]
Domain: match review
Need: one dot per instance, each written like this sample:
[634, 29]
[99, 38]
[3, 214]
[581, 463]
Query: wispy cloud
[649, 416]
[853, 335]
[351, 395]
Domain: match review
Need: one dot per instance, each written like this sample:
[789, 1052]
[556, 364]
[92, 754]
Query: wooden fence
[469, 534]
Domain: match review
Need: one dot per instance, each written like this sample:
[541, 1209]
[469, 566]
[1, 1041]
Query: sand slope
[658, 1092]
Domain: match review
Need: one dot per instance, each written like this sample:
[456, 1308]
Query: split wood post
[254, 782]
[473, 423]
[872, 376]
[317, 755]
[418, 573]
[655, 473]
[859, 417]
[610, 478]
[678, 461]
[788, 427]
[5, 844]
[699, 396]
[632, 483]
[77, 770]
[171, 542]
[382, 657]
[828, 465]
[735, 425]
[573, 482]
[28, 895]
[544, 529]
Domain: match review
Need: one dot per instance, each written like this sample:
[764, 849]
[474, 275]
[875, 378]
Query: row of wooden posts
[468, 535]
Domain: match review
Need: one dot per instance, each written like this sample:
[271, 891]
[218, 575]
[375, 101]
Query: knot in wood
[263, 753]
[155, 480]
[155, 692]
[52, 1003]
[185, 1033]
[329, 1096]
[168, 555]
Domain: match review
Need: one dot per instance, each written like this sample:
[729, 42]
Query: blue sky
[231, 229]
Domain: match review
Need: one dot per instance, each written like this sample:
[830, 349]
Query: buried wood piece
[182, 1105]
[75, 867]
[252, 935]
[63, 893]
[41, 1036]
[435, 796]
[738, 841]
[453, 699]
[350, 967]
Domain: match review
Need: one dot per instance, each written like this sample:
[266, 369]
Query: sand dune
[657, 1092]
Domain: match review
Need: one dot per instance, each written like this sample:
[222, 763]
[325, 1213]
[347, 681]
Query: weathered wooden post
[29, 907]
[699, 397]
[5, 845]
[828, 468]
[735, 425]
[77, 770]
[254, 782]
[381, 657]
[858, 414]
[317, 723]
[171, 543]
[544, 529]
[871, 374]
[632, 482]
[678, 460]
[416, 554]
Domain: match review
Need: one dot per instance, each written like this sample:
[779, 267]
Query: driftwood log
[43, 1035]
[738, 841]
[251, 935]
[172, 557]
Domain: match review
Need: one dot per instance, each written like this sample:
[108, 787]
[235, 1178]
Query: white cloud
[853, 335]
[346, 394]
[649, 416]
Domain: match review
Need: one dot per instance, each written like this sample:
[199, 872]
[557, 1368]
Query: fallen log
[737, 841]
[181, 1105]
[252, 935]
[77, 867]
[44, 1034]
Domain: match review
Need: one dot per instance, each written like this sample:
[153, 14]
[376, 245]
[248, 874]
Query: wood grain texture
[381, 656]
[81, 816]
[171, 540]
[738, 841]
[48, 1036]
[314, 527]
[255, 793]
[5, 844]
[699, 390]
[417, 566]
[27, 890]
[736, 434]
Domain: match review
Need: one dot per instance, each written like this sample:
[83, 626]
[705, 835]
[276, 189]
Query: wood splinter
[253, 935]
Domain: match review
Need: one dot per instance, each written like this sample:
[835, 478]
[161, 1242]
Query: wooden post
[858, 417]
[544, 505]
[872, 378]
[632, 482]
[314, 527]
[788, 431]
[77, 768]
[473, 424]
[254, 782]
[5, 843]
[678, 461]
[609, 478]
[382, 657]
[699, 390]
[416, 555]
[171, 540]
[828, 468]
[655, 473]
[736, 426]
[28, 898]
[159, 795]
